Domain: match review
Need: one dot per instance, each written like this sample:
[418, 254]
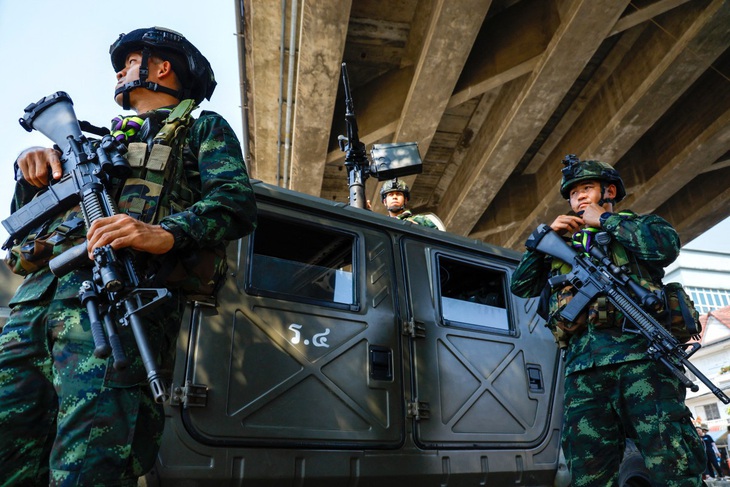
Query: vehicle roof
[279, 196]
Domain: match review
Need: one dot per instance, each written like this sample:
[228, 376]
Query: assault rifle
[598, 275]
[89, 170]
[391, 160]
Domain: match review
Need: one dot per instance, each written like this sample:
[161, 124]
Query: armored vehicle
[349, 348]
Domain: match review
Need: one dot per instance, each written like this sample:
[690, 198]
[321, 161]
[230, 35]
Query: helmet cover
[395, 185]
[576, 171]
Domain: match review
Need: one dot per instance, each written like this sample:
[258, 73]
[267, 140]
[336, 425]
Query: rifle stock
[591, 279]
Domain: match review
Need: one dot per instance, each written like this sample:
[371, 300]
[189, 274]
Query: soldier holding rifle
[613, 389]
[68, 416]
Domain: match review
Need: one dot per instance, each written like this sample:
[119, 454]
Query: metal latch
[413, 328]
[190, 395]
[418, 410]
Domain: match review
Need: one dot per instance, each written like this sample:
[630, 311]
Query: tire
[633, 472]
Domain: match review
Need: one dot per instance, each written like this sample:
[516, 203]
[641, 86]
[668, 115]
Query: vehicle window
[302, 261]
[472, 295]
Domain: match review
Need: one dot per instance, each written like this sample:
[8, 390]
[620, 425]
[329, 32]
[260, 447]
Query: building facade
[706, 277]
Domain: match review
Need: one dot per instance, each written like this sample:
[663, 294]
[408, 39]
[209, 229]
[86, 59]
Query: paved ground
[724, 482]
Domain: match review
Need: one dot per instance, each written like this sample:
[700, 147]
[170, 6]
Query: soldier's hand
[567, 224]
[37, 163]
[592, 213]
[122, 231]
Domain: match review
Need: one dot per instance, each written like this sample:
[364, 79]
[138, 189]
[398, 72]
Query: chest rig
[161, 185]
[678, 314]
[158, 185]
[600, 313]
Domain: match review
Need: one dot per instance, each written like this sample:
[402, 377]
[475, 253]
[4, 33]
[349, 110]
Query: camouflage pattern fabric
[67, 417]
[224, 207]
[607, 404]
[653, 243]
[424, 220]
[608, 378]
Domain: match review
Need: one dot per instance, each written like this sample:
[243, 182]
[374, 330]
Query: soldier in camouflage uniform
[395, 195]
[613, 391]
[67, 417]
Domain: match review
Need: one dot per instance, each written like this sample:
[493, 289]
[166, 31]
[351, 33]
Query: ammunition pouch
[158, 188]
[683, 320]
[37, 249]
[199, 274]
[600, 313]
[561, 329]
[678, 314]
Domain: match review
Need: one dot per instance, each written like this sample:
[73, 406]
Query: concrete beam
[484, 172]
[452, 25]
[640, 91]
[321, 44]
[679, 151]
[699, 205]
[263, 33]
[509, 46]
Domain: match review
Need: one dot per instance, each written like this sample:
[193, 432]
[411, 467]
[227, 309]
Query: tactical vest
[159, 187]
[678, 314]
[158, 184]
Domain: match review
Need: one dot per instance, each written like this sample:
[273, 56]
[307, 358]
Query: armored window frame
[303, 262]
[473, 295]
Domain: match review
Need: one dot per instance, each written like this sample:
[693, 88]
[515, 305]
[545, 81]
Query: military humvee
[349, 348]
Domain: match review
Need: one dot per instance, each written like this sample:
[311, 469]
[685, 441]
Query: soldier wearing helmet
[394, 195]
[194, 76]
[78, 420]
[613, 389]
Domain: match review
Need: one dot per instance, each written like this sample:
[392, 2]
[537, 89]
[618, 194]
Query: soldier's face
[130, 73]
[395, 198]
[583, 194]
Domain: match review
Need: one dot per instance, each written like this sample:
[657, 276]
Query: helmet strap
[144, 67]
[603, 200]
[142, 82]
[125, 97]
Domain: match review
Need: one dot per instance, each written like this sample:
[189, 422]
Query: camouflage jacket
[651, 242]
[224, 207]
[424, 220]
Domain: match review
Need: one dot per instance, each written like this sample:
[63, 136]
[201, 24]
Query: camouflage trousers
[66, 417]
[639, 400]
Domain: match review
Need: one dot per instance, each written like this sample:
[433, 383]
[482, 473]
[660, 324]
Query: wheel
[633, 472]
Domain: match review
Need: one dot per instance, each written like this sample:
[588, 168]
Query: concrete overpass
[496, 92]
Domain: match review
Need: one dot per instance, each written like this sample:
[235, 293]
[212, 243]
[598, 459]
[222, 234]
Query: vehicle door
[484, 370]
[301, 349]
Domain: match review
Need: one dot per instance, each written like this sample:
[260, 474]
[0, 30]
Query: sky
[50, 45]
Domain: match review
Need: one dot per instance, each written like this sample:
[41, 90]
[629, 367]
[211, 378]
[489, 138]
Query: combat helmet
[395, 185]
[191, 67]
[576, 170]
